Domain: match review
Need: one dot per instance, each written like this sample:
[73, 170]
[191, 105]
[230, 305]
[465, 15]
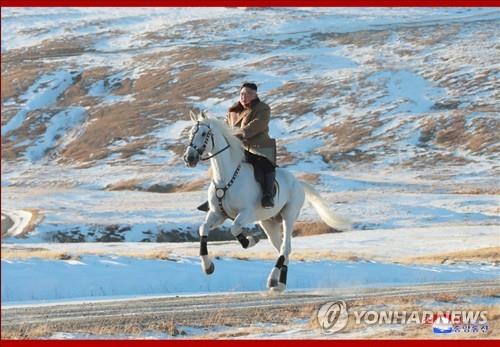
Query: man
[252, 117]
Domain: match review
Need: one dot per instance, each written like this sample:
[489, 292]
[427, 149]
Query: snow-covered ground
[371, 204]
[111, 276]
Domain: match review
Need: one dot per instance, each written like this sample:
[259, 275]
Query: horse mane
[236, 146]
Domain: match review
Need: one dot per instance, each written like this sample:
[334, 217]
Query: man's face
[247, 95]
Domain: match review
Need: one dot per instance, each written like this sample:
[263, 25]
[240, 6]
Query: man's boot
[267, 190]
[204, 207]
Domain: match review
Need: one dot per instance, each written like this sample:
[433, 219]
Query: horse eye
[203, 134]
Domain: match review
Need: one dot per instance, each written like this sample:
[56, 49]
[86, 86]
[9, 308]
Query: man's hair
[249, 85]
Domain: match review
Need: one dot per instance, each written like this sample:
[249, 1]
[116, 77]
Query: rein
[218, 152]
[205, 142]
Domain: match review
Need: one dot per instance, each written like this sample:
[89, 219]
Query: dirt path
[16, 223]
[238, 309]
[7, 223]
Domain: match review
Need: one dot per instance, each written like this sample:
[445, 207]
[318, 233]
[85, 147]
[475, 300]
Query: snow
[304, 145]
[101, 276]
[295, 126]
[372, 200]
[326, 59]
[41, 94]
[60, 124]
[410, 91]
[60, 22]
[171, 133]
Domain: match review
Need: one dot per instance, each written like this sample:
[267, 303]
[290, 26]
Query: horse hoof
[252, 241]
[272, 283]
[278, 288]
[210, 269]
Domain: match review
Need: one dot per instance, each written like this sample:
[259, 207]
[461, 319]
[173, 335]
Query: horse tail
[326, 214]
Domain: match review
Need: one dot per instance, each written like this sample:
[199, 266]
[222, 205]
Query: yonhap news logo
[333, 316]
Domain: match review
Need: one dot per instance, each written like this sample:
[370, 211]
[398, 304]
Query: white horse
[234, 193]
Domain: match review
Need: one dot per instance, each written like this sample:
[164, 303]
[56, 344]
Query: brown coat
[254, 123]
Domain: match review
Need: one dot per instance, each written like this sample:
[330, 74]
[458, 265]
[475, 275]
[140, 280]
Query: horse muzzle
[191, 157]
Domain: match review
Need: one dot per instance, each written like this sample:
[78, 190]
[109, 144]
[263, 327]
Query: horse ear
[203, 115]
[192, 116]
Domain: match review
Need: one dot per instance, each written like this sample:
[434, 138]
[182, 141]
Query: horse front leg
[244, 217]
[212, 220]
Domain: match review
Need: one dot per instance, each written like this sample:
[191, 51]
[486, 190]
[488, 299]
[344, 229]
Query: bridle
[219, 192]
[203, 147]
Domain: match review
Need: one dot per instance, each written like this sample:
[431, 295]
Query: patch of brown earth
[429, 36]
[306, 228]
[61, 47]
[77, 93]
[136, 184]
[481, 255]
[357, 39]
[104, 124]
[17, 77]
[311, 178]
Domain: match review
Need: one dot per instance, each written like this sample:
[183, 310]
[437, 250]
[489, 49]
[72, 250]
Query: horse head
[199, 137]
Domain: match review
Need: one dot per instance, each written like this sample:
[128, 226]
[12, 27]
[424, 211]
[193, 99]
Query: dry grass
[283, 157]
[162, 93]
[430, 35]
[350, 134]
[22, 253]
[309, 178]
[131, 328]
[137, 184]
[453, 132]
[41, 253]
[123, 120]
[62, 47]
[18, 76]
[357, 39]
[159, 94]
[77, 93]
[307, 228]
[33, 127]
[248, 321]
[408, 304]
[468, 190]
[135, 147]
[296, 255]
[132, 184]
[482, 255]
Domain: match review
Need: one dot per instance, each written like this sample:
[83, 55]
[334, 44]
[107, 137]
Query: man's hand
[238, 133]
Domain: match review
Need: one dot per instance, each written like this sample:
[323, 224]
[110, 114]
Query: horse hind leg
[289, 214]
[273, 230]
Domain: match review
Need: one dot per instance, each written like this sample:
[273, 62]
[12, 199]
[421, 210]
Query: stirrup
[205, 207]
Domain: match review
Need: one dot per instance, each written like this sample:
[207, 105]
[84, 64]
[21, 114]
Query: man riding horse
[251, 118]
